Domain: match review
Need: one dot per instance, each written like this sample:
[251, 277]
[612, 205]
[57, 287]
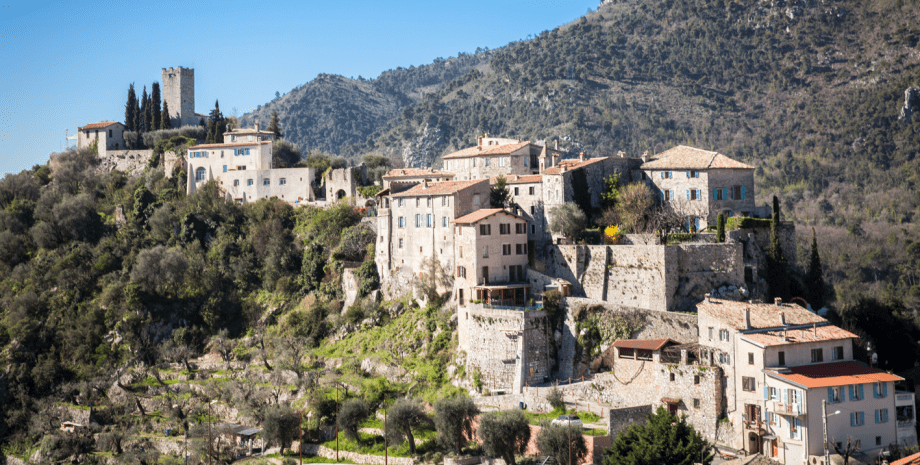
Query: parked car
[564, 420]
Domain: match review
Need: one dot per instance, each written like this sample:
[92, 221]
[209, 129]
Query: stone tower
[179, 94]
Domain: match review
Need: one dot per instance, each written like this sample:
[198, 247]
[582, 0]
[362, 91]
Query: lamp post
[827, 455]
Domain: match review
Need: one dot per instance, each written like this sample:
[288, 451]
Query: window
[881, 415]
[476, 199]
[880, 390]
[627, 353]
[241, 168]
[488, 161]
[443, 200]
[485, 229]
[856, 392]
[817, 355]
[474, 163]
[795, 396]
[461, 272]
[443, 221]
[672, 377]
[506, 249]
[710, 333]
[696, 379]
[429, 221]
[221, 154]
[723, 335]
[795, 428]
[516, 191]
[693, 174]
[266, 182]
[402, 202]
[225, 168]
[725, 358]
[533, 210]
[402, 222]
[400, 243]
[533, 229]
[718, 194]
[833, 394]
[665, 175]
[781, 358]
[520, 228]
[282, 181]
[666, 194]
[200, 174]
[418, 220]
[521, 249]
[837, 353]
[530, 190]
[774, 394]
[485, 251]
[504, 228]
[750, 358]
[236, 182]
[773, 418]
[427, 201]
[857, 418]
[748, 383]
[418, 201]
[738, 192]
[485, 274]
[878, 440]
[694, 194]
[249, 182]
[233, 139]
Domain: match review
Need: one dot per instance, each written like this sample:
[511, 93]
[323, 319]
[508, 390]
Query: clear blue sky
[66, 64]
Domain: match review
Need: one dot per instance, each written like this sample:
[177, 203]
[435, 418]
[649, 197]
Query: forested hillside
[809, 93]
[332, 112]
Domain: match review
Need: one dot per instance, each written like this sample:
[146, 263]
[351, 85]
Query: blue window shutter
[662, 175]
[688, 174]
[688, 194]
[861, 392]
[742, 192]
[662, 196]
[766, 392]
[850, 388]
[862, 418]
[884, 389]
[830, 395]
[785, 396]
[886, 415]
[875, 392]
[225, 168]
[800, 400]
[878, 416]
[672, 194]
[715, 193]
[699, 194]
[852, 418]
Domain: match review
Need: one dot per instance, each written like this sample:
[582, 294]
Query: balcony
[904, 398]
[785, 409]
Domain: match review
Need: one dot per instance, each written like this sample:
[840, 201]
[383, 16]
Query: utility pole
[570, 440]
[209, 432]
[385, 451]
[300, 427]
[827, 457]
[336, 423]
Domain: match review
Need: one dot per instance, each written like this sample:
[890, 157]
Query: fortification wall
[702, 267]
[508, 346]
[128, 161]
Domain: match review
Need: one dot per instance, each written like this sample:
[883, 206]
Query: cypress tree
[149, 124]
[720, 228]
[143, 119]
[165, 121]
[155, 119]
[215, 123]
[136, 115]
[130, 108]
[814, 279]
[775, 209]
[275, 126]
[776, 271]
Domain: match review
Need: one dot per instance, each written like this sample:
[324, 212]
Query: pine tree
[275, 126]
[130, 108]
[215, 123]
[814, 279]
[720, 228]
[777, 274]
[143, 119]
[499, 195]
[155, 119]
[165, 120]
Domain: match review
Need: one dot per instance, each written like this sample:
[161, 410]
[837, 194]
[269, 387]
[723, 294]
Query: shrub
[555, 398]
[568, 220]
[554, 440]
[351, 415]
[453, 418]
[504, 434]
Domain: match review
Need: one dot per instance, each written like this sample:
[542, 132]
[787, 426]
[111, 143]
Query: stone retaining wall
[323, 451]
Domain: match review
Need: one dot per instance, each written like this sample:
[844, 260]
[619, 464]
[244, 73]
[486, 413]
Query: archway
[370, 203]
[340, 194]
[200, 174]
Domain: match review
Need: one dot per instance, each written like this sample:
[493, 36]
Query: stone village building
[108, 135]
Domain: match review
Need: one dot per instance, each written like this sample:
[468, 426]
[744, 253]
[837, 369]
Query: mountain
[332, 112]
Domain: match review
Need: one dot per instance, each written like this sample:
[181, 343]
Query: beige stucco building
[404, 178]
[492, 157]
[109, 135]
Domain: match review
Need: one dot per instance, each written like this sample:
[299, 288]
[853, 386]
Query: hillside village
[676, 317]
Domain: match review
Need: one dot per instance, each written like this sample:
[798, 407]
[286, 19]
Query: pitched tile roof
[683, 157]
[517, 179]
[248, 131]
[643, 344]
[231, 144]
[796, 336]
[909, 460]
[101, 125]
[482, 214]
[477, 151]
[572, 164]
[763, 316]
[440, 188]
[833, 374]
[417, 172]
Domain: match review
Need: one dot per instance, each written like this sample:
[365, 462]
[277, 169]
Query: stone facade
[343, 183]
[107, 135]
[624, 417]
[654, 277]
[527, 192]
[179, 95]
[293, 185]
[247, 135]
[127, 161]
[493, 157]
[509, 348]
[490, 249]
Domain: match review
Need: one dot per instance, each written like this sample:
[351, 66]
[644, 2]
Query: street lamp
[827, 455]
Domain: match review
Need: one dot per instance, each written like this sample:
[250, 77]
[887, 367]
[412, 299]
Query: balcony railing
[510, 306]
[785, 409]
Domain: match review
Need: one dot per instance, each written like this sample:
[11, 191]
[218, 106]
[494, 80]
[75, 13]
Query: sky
[67, 64]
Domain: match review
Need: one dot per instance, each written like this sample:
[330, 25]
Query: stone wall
[323, 451]
[624, 417]
[128, 161]
[702, 267]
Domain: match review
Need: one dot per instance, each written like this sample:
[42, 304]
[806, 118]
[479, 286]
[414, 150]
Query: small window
[402, 222]
[696, 379]
[520, 228]
[878, 440]
[200, 174]
[476, 200]
[516, 192]
[282, 181]
[488, 161]
[781, 358]
[710, 333]
[485, 251]
[672, 377]
[236, 182]
[530, 190]
[748, 384]
[817, 355]
[837, 353]
[834, 394]
[696, 403]
[249, 182]
[506, 249]
[418, 201]
[504, 228]
[485, 229]
[533, 229]
[266, 182]
[400, 243]
[750, 358]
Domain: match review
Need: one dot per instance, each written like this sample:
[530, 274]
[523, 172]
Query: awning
[670, 400]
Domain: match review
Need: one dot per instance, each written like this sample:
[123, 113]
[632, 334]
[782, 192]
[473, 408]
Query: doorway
[754, 443]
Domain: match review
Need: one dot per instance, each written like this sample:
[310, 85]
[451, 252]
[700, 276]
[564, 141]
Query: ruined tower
[179, 94]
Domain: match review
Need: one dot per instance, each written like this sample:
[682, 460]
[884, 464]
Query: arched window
[199, 174]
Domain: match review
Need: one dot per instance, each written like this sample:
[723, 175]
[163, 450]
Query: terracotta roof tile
[440, 188]
[833, 374]
[482, 214]
[572, 164]
[763, 316]
[101, 125]
[237, 132]
[683, 157]
[909, 460]
[417, 172]
[476, 151]
[231, 144]
[796, 336]
[643, 344]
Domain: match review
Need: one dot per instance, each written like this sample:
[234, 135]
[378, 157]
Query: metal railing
[521, 308]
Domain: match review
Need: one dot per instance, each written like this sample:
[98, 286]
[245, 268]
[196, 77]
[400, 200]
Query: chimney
[782, 318]
[228, 128]
[257, 127]
[706, 297]
[562, 168]
[815, 330]
[542, 165]
[480, 142]
[622, 154]
[645, 156]
[581, 156]
[424, 184]
[778, 301]
[747, 318]
[556, 145]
